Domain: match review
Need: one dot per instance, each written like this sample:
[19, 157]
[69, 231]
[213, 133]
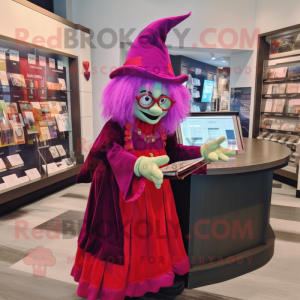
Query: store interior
[242, 70]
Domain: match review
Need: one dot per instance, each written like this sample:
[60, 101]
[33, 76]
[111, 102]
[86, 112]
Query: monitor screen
[199, 130]
[208, 89]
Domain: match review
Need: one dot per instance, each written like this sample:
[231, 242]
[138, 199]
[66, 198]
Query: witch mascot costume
[130, 243]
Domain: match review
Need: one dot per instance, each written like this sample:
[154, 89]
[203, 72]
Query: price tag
[60, 65]
[14, 55]
[42, 61]
[31, 59]
[52, 63]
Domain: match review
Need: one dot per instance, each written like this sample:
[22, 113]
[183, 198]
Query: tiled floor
[25, 229]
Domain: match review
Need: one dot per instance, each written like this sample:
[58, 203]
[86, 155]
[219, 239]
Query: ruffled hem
[85, 290]
[101, 250]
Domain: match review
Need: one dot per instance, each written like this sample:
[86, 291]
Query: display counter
[224, 215]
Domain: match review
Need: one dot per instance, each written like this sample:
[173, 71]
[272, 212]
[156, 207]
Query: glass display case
[36, 130]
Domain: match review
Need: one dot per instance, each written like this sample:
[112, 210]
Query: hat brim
[141, 72]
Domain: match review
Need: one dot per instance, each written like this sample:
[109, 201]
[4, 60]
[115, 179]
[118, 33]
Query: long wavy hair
[119, 95]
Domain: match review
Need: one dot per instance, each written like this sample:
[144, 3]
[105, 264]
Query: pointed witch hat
[148, 56]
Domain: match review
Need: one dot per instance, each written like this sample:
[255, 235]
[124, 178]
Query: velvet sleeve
[108, 152]
[122, 163]
[178, 152]
[96, 159]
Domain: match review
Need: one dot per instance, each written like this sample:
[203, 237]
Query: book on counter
[292, 88]
[294, 106]
[181, 169]
[279, 88]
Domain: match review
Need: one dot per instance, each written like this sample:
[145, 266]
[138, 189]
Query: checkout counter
[224, 215]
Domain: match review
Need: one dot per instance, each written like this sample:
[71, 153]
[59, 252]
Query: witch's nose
[155, 110]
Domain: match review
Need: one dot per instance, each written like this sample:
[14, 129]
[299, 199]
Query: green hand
[149, 168]
[213, 151]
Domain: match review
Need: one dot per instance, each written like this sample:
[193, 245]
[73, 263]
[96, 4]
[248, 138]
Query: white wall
[272, 15]
[116, 14]
[14, 16]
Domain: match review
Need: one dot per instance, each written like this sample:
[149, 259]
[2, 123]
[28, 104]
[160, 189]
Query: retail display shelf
[282, 80]
[34, 185]
[280, 131]
[31, 88]
[286, 115]
[284, 54]
[274, 96]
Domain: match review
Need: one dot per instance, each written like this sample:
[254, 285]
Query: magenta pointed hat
[148, 56]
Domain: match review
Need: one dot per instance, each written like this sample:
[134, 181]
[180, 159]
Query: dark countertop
[259, 155]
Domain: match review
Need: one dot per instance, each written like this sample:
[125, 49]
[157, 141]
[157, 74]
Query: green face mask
[154, 114]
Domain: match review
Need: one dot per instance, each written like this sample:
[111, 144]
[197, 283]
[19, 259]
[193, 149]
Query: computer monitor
[201, 128]
[208, 88]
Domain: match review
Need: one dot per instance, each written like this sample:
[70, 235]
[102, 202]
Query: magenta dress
[131, 241]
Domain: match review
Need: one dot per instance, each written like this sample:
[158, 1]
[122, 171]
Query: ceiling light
[213, 56]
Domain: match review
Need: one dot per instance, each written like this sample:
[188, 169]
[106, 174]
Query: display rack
[39, 121]
[277, 103]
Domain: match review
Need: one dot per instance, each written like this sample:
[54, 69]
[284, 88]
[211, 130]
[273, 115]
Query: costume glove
[213, 151]
[149, 168]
